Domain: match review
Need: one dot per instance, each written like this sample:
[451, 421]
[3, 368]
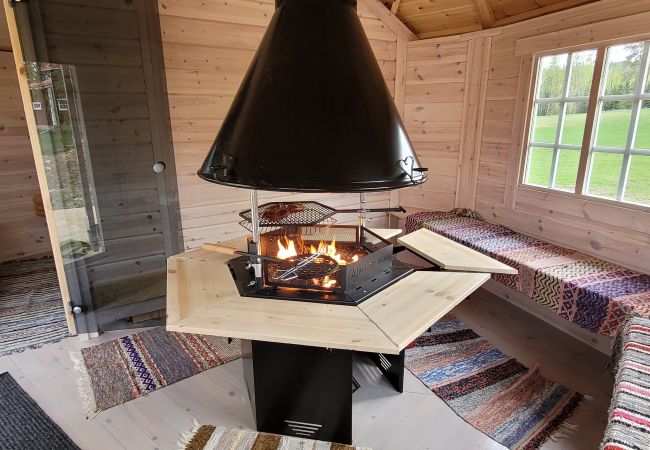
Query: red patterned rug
[123, 369]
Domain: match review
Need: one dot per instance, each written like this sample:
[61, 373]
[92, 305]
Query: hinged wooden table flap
[451, 255]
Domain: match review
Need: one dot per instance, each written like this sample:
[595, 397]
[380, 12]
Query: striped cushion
[596, 295]
[629, 416]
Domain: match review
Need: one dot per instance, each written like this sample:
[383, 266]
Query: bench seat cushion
[628, 424]
[596, 295]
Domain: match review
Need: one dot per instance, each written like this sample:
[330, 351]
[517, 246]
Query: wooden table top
[202, 298]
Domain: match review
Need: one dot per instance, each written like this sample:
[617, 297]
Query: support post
[255, 224]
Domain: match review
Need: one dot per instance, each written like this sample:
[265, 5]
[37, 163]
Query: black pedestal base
[307, 391]
[300, 391]
[392, 366]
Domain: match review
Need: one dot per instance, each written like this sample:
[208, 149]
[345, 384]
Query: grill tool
[304, 267]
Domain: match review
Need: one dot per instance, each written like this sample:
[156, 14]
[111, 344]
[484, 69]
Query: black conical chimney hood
[313, 112]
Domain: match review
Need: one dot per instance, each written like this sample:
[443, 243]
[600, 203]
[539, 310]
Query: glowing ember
[326, 282]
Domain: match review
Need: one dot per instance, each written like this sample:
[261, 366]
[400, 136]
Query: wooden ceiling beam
[390, 20]
[566, 4]
[485, 13]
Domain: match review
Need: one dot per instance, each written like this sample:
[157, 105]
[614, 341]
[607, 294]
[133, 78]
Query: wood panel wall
[208, 46]
[474, 151]
[443, 93]
[22, 232]
[613, 232]
[5, 41]
[434, 98]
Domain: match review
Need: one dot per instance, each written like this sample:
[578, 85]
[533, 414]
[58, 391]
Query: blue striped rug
[31, 309]
[493, 392]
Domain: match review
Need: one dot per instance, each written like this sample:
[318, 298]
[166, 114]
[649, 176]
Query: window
[599, 148]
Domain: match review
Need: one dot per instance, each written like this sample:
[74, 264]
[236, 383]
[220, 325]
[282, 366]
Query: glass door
[98, 99]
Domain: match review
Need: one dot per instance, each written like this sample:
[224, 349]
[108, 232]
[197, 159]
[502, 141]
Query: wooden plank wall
[436, 75]
[614, 233]
[208, 46]
[22, 232]
[443, 94]
[465, 111]
[5, 42]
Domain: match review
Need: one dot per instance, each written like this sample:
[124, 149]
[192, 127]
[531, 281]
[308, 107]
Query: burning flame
[330, 250]
[287, 249]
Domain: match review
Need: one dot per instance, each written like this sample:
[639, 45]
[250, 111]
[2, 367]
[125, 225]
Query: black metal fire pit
[373, 269]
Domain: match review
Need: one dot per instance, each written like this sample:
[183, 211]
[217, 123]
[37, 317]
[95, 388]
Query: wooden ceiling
[432, 18]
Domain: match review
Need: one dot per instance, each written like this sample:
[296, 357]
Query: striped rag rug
[512, 404]
[31, 309]
[628, 427]
[209, 437]
[120, 370]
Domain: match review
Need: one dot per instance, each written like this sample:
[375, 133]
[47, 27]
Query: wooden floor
[383, 419]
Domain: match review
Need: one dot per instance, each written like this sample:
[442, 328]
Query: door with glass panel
[100, 108]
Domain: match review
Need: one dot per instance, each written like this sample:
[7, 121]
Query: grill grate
[279, 214]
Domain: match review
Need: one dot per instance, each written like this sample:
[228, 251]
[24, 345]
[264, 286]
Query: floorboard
[382, 419]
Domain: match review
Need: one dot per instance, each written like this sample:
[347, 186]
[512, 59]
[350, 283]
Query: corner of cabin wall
[473, 147]
[445, 87]
[593, 228]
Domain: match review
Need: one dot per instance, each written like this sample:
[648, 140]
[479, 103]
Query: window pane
[582, 72]
[551, 76]
[539, 166]
[647, 83]
[567, 170]
[545, 129]
[623, 65]
[638, 180]
[574, 123]
[613, 124]
[642, 139]
[605, 174]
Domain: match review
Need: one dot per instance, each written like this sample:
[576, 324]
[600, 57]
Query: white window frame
[557, 145]
[637, 101]
[594, 102]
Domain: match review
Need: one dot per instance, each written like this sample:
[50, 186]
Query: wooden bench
[577, 293]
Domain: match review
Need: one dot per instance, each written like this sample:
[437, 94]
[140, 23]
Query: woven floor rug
[31, 310]
[512, 404]
[120, 370]
[23, 424]
[209, 437]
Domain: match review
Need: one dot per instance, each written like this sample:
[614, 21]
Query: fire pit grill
[373, 269]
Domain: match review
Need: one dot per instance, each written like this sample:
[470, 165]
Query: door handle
[159, 167]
